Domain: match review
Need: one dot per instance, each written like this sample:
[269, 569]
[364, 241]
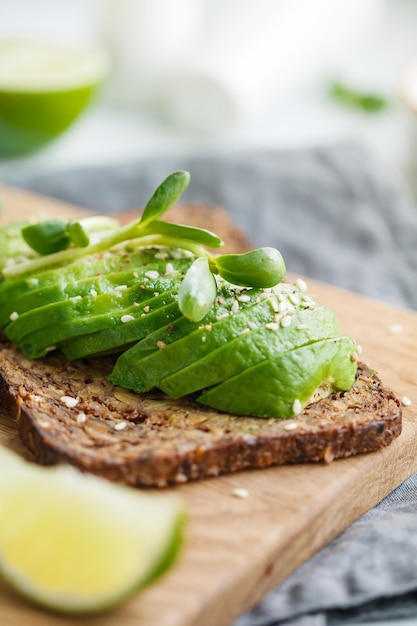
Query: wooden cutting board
[238, 549]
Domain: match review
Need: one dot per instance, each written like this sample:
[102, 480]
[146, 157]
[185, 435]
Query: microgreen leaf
[78, 235]
[165, 196]
[198, 291]
[198, 235]
[367, 102]
[263, 267]
[53, 235]
[48, 236]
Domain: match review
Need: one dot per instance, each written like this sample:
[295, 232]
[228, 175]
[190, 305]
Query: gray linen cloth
[337, 216]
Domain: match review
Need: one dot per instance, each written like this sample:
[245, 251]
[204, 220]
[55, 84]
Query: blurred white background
[216, 75]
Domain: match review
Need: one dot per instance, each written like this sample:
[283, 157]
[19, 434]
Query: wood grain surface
[238, 549]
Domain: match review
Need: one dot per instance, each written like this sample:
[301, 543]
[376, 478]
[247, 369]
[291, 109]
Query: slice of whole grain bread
[151, 440]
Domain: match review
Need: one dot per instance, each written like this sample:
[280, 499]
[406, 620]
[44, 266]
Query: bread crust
[151, 440]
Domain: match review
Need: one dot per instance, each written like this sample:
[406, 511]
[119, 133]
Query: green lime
[77, 543]
[43, 88]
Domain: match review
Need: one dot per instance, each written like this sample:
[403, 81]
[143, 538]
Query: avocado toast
[271, 360]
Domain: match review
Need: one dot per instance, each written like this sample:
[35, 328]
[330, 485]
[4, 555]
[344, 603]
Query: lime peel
[44, 87]
[78, 544]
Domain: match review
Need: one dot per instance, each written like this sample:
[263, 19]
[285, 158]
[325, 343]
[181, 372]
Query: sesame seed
[252, 325]
[160, 344]
[127, 318]
[405, 401]
[263, 296]
[295, 298]
[169, 268]
[207, 327]
[76, 298]
[296, 407]
[136, 274]
[283, 306]
[13, 316]
[301, 284]
[69, 401]
[49, 349]
[308, 302]
[93, 293]
[146, 308]
[81, 417]
[120, 288]
[359, 349]
[244, 331]
[271, 326]
[244, 298]
[120, 426]
[301, 326]
[291, 426]
[235, 306]
[162, 254]
[395, 329]
[152, 274]
[175, 254]
[240, 493]
[204, 338]
[156, 293]
[274, 305]
[286, 321]
[32, 282]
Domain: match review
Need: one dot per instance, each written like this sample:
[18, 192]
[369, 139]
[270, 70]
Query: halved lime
[43, 89]
[77, 543]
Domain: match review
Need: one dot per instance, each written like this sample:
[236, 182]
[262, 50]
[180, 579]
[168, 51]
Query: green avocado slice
[168, 347]
[118, 330]
[173, 332]
[133, 271]
[282, 386]
[251, 347]
[145, 366]
[160, 310]
[85, 267]
[71, 312]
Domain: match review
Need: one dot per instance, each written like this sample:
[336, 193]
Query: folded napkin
[337, 216]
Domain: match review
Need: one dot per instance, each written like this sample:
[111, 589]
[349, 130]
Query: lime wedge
[43, 88]
[77, 543]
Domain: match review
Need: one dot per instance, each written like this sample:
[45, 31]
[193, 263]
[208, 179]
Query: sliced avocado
[74, 310]
[165, 349]
[126, 330]
[128, 325]
[251, 347]
[174, 332]
[146, 365]
[11, 288]
[12, 245]
[271, 388]
[161, 310]
[135, 270]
